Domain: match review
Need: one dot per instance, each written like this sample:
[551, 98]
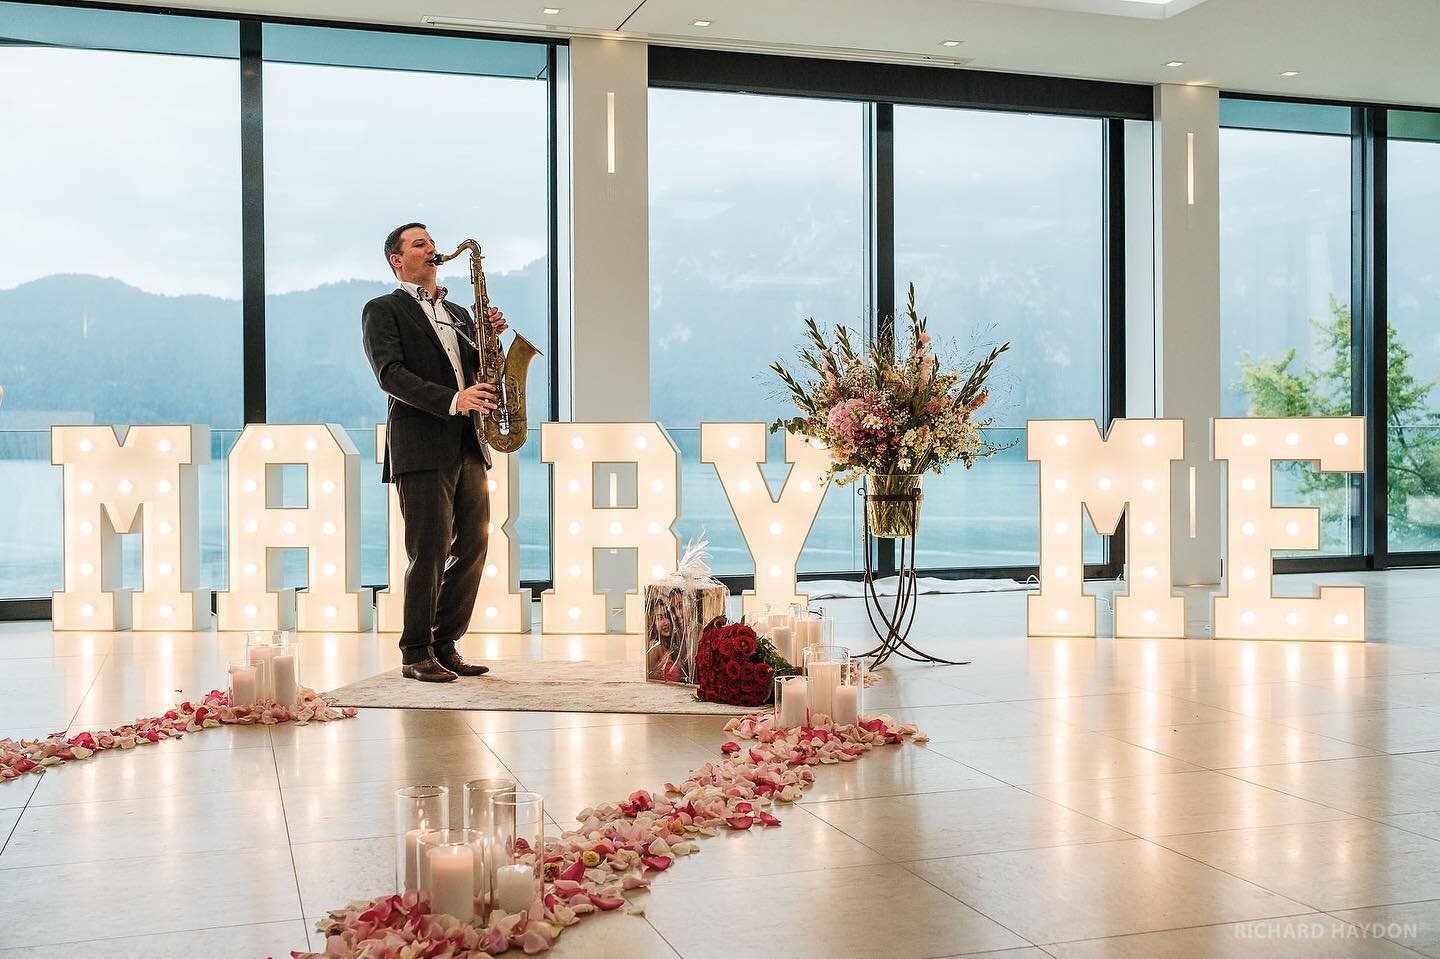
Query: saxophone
[506, 426]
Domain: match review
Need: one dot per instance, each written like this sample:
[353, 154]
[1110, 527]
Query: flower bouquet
[737, 666]
[889, 415]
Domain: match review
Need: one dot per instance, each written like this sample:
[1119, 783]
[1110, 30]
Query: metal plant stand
[893, 626]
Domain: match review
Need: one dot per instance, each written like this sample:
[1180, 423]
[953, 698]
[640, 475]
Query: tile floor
[1078, 798]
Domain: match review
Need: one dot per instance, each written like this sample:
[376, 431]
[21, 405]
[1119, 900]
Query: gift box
[677, 607]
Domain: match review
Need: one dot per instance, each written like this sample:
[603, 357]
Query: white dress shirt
[435, 311]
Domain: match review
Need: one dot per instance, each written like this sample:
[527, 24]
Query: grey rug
[544, 686]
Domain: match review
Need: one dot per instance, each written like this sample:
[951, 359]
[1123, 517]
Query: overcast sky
[128, 165]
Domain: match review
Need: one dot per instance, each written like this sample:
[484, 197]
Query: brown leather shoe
[428, 671]
[451, 660]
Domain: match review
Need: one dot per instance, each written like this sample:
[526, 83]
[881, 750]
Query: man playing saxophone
[435, 451]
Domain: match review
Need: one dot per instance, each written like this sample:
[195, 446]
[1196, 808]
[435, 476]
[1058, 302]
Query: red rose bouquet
[734, 665]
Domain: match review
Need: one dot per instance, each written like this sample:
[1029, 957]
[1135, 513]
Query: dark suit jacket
[412, 367]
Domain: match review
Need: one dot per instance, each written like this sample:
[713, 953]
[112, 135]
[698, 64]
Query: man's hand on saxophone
[481, 397]
[497, 321]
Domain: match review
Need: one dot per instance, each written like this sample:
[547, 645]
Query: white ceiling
[1382, 50]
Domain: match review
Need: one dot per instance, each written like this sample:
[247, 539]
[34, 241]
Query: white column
[610, 245]
[1187, 313]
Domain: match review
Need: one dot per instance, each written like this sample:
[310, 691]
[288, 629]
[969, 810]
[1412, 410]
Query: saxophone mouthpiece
[436, 260]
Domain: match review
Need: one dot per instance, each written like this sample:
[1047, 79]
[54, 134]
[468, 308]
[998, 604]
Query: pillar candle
[794, 696]
[452, 881]
[823, 678]
[287, 680]
[807, 633]
[242, 686]
[784, 639]
[261, 658]
[514, 888]
[846, 711]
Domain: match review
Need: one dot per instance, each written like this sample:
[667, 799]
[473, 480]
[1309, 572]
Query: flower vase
[892, 504]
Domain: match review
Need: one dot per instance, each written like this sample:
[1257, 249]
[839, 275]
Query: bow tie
[425, 296]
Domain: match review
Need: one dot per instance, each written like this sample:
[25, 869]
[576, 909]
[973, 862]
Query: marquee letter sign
[108, 486]
[501, 606]
[775, 531]
[1127, 472]
[327, 527]
[580, 528]
[1254, 528]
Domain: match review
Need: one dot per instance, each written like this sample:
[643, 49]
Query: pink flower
[844, 420]
[729, 748]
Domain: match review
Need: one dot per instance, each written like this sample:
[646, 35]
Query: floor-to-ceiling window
[120, 258]
[1413, 309]
[1000, 225]
[1285, 282]
[365, 131]
[124, 261]
[757, 221]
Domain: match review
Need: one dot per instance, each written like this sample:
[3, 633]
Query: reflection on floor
[1077, 798]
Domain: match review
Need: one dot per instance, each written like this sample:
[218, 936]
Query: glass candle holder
[823, 666]
[260, 652]
[418, 810]
[285, 675]
[242, 683]
[477, 794]
[479, 816]
[517, 850]
[452, 862]
[784, 639]
[792, 702]
[848, 693]
[807, 632]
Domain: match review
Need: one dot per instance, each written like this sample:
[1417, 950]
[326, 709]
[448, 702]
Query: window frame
[883, 86]
[251, 65]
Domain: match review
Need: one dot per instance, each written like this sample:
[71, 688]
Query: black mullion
[1114, 299]
[553, 250]
[1379, 316]
[252, 218]
[882, 258]
[1368, 304]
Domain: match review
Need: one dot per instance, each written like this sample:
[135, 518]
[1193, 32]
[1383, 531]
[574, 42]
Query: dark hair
[392, 242]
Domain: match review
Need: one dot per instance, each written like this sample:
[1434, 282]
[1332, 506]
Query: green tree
[1275, 387]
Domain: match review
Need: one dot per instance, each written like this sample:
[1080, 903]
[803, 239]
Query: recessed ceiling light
[1175, 63]
[1290, 73]
[699, 23]
[952, 43]
[550, 11]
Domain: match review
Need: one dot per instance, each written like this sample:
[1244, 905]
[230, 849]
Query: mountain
[80, 348]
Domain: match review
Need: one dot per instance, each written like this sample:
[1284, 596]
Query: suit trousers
[447, 517]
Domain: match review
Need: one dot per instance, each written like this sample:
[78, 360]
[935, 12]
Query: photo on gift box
[670, 641]
[677, 607]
